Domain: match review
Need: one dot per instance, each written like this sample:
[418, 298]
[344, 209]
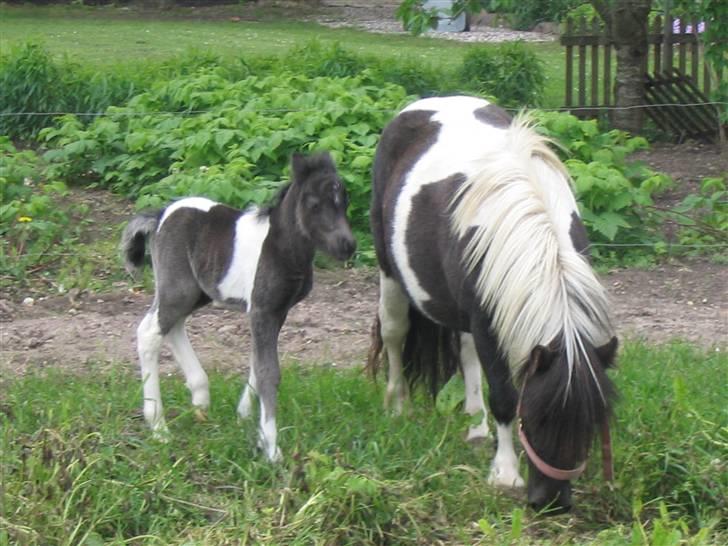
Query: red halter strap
[559, 473]
[538, 462]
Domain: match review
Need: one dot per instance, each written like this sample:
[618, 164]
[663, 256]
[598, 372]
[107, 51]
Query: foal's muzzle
[345, 247]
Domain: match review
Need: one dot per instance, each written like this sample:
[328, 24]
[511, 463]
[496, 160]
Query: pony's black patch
[579, 237]
[494, 115]
[403, 142]
[433, 275]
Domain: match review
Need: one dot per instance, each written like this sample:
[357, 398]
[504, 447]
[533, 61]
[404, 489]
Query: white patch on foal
[250, 233]
[200, 203]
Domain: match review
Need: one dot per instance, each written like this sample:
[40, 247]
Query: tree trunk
[627, 24]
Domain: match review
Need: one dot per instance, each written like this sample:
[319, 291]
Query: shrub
[31, 223]
[230, 141]
[614, 195]
[510, 72]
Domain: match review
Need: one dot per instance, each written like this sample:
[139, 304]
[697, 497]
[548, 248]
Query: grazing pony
[259, 260]
[482, 258]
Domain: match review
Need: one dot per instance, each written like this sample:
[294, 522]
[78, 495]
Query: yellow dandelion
[25, 219]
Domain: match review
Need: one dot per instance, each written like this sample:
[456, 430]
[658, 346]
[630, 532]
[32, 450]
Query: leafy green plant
[205, 135]
[703, 216]
[510, 73]
[33, 229]
[614, 194]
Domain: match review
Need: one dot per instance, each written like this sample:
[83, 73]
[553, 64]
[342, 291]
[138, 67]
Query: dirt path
[685, 301]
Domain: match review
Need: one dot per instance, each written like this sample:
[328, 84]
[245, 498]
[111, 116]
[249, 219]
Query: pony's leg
[504, 470]
[149, 344]
[474, 404]
[195, 377]
[394, 321]
[245, 407]
[502, 398]
[267, 374]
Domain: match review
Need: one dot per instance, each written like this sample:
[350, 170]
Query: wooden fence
[590, 70]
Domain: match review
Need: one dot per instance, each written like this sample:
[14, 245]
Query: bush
[614, 195]
[34, 88]
[31, 223]
[230, 141]
[510, 72]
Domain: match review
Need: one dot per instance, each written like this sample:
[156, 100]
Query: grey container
[445, 23]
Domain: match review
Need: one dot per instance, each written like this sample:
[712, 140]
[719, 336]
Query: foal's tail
[134, 238]
[431, 353]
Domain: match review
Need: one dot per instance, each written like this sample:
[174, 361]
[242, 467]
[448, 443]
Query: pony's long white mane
[537, 287]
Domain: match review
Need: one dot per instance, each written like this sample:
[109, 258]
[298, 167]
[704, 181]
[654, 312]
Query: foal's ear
[541, 359]
[302, 165]
[607, 352]
[299, 166]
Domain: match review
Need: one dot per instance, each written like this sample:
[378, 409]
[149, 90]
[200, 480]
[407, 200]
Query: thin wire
[290, 110]
[600, 245]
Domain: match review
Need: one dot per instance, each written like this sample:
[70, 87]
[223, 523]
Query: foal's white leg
[149, 343]
[195, 377]
[394, 320]
[245, 407]
[504, 470]
[472, 375]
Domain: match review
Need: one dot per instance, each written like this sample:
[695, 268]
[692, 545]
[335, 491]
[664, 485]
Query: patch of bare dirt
[686, 300]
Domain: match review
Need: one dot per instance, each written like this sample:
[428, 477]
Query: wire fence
[290, 110]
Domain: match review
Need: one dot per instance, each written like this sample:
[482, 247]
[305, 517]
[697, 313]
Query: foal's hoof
[505, 478]
[161, 434]
[201, 415]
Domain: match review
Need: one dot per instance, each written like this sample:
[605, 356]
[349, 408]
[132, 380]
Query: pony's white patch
[504, 470]
[199, 203]
[460, 142]
[251, 229]
[473, 379]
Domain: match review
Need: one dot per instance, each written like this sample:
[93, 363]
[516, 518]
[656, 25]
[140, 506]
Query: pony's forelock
[539, 288]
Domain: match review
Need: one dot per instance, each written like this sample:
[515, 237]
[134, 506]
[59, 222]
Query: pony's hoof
[477, 435]
[201, 415]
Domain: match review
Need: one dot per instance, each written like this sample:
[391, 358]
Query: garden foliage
[227, 140]
[33, 229]
[226, 130]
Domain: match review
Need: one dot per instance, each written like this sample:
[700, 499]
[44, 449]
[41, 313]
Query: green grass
[77, 465]
[111, 38]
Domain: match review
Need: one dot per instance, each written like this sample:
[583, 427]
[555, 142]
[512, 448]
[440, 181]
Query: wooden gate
[675, 93]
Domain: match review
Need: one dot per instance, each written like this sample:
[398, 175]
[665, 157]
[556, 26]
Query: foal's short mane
[537, 287]
[266, 209]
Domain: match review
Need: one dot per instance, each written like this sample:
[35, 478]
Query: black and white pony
[482, 263]
[259, 260]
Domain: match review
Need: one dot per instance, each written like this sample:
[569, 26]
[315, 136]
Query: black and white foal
[259, 259]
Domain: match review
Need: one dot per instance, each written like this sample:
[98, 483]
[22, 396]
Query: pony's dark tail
[134, 238]
[431, 354]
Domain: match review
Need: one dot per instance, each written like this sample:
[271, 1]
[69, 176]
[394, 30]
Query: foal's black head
[321, 205]
[560, 415]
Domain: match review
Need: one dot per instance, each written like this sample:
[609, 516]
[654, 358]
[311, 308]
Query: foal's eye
[312, 202]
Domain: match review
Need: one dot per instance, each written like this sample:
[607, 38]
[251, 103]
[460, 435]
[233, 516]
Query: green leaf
[451, 396]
